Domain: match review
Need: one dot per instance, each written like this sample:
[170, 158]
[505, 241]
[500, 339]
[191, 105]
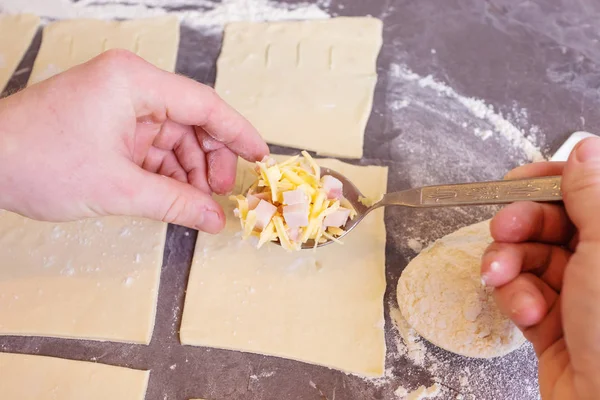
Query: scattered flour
[483, 134]
[401, 392]
[478, 108]
[411, 344]
[424, 392]
[415, 245]
[196, 14]
[262, 375]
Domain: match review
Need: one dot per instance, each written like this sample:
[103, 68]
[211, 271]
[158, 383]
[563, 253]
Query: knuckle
[585, 181]
[177, 210]
[115, 63]
[117, 57]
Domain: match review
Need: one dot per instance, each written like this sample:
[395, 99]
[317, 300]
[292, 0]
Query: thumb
[581, 188]
[581, 289]
[165, 199]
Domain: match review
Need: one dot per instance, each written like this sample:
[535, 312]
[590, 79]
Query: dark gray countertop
[537, 62]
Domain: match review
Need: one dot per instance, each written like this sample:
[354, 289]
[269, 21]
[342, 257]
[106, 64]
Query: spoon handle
[463, 194]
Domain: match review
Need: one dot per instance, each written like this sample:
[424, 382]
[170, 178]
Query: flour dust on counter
[421, 393]
[205, 14]
[459, 378]
[522, 143]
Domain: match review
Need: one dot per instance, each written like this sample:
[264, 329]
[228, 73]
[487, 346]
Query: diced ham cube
[297, 196]
[268, 161]
[252, 201]
[332, 186]
[294, 234]
[296, 215]
[337, 219]
[263, 196]
[264, 213]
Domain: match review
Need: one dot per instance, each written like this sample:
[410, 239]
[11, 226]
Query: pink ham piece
[297, 196]
[252, 201]
[264, 213]
[337, 219]
[332, 186]
[294, 234]
[296, 215]
[254, 198]
[268, 161]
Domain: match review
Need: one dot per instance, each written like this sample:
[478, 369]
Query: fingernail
[494, 267]
[588, 150]
[211, 222]
[522, 301]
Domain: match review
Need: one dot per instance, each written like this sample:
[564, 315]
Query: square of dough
[96, 279]
[306, 84]
[72, 42]
[323, 307]
[16, 34]
[93, 279]
[27, 377]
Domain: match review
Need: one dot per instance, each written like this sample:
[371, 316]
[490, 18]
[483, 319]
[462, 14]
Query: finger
[193, 160]
[529, 221]
[503, 262]
[581, 193]
[523, 300]
[581, 188]
[165, 199]
[221, 170]
[581, 292]
[170, 134]
[165, 163]
[549, 330]
[221, 163]
[534, 307]
[170, 96]
[546, 168]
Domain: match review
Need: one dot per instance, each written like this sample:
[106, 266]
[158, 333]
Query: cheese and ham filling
[292, 203]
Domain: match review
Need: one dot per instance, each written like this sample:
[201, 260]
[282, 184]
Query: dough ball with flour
[441, 296]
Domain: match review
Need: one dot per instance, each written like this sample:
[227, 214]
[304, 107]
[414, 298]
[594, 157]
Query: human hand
[118, 136]
[545, 266]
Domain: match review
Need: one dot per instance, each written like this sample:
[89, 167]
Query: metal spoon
[544, 189]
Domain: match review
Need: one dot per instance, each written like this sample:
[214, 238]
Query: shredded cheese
[272, 181]
[368, 202]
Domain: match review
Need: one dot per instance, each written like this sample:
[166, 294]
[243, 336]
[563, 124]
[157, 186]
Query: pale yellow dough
[69, 43]
[306, 84]
[96, 279]
[323, 307]
[27, 377]
[16, 34]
